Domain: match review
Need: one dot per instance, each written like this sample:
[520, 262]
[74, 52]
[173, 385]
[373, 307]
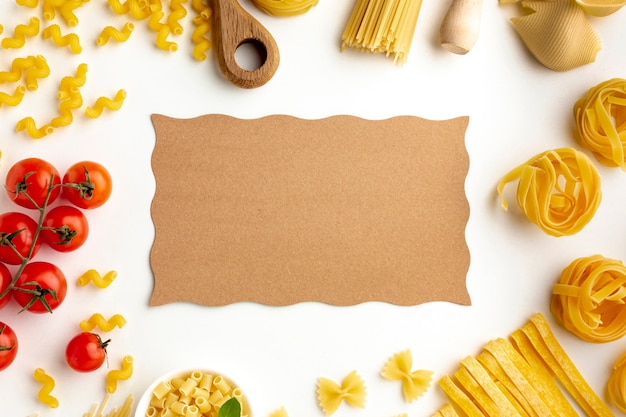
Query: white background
[517, 108]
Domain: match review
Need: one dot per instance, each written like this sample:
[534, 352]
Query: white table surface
[517, 108]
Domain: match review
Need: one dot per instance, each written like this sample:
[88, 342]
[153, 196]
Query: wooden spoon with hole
[232, 27]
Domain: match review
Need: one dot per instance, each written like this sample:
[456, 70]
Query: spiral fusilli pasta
[66, 10]
[414, 383]
[105, 102]
[38, 71]
[601, 122]
[45, 393]
[73, 102]
[119, 35]
[200, 35]
[590, 299]
[70, 40]
[20, 33]
[28, 125]
[71, 83]
[13, 99]
[96, 279]
[98, 320]
[558, 190]
[330, 395]
[122, 374]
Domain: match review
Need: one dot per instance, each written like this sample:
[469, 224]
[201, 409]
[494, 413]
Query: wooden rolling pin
[233, 27]
[461, 25]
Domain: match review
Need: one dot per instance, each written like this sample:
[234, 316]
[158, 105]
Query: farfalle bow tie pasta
[558, 32]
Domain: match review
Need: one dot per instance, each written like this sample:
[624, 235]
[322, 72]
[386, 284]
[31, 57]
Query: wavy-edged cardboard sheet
[280, 210]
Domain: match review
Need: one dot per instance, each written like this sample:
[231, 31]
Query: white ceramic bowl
[144, 402]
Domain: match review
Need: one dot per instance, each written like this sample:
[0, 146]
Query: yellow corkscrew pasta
[122, 374]
[284, 7]
[28, 125]
[27, 3]
[13, 99]
[177, 13]
[414, 383]
[162, 41]
[72, 40]
[200, 35]
[558, 190]
[20, 33]
[330, 395]
[119, 35]
[66, 106]
[45, 393]
[616, 386]
[96, 279]
[105, 102]
[385, 26]
[66, 10]
[71, 83]
[17, 67]
[38, 71]
[600, 118]
[118, 7]
[590, 298]
[98, 320]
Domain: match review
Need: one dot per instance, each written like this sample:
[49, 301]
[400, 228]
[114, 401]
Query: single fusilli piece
[45, 393]
[105, 102]
[71, 83]
[98, 320]
[98, 280]
[201, 33]
[71, 40]
[122, 374]
[28, 125]
[73, 102]
[13, 99]
[177, 13]
[20, 33]
[119, 35]
[66, 10]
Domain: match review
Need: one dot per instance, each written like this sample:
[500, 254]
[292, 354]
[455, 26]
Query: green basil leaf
[230, 408]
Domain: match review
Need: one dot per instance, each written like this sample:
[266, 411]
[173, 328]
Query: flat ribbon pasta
[557, 33]
[590, 299]
[284, 7]
[414, 383]
[601, 122]
[558, 190]
[616, 386]
[330, 394]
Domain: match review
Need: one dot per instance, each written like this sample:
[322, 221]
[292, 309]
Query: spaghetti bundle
[590, 299]
[385, 26]
[558, 190]
[601, 122]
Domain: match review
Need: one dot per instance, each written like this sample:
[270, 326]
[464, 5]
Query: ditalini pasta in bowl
[190, 393]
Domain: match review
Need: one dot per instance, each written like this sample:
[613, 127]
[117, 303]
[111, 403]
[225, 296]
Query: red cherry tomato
[5, 282]
[8, 346]
[87, 185]
[40, 288]
[65, 228]
[17, 231]
[28, 180]
[86, 352]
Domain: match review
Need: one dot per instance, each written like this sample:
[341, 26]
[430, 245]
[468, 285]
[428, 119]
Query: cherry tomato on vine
[87, 184]
[17, 231]
[8, 346]
[40, 288]
[64, 228]
[5, 283]
[28, 181]
[86, 352]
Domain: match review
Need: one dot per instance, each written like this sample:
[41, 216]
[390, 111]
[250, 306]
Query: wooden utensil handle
[461, 25]
[233, 27]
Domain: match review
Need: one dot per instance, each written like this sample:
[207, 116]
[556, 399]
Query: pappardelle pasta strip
[105, 102]
[70, 40]
[20, 33]
[48, 383]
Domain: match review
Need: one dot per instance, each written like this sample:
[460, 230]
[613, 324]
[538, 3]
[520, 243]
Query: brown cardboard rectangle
[280, 210]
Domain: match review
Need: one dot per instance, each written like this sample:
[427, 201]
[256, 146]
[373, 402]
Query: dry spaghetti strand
[601, 122]
[590, 299]
[558, 190]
